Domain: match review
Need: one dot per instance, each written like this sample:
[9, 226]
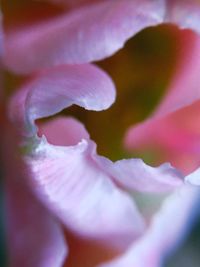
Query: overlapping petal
[135, 175]
[71, 184]
[35, 237]
[174, 124]
[93, 32]
[83, 190]
[58, 88]
[193, 178]
[71, 180]
[83, 35]
[67, 179]
[166, 229]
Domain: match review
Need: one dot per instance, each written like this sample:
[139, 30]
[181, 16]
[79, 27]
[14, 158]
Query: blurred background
[142, 72]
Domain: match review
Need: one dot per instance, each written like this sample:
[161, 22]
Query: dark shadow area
[187, 255]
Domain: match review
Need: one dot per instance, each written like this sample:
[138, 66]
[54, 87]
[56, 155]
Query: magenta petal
[174, 123]
[82, 35]
[135, 175]
[183, 90]
[164, 232]
[58, 88]
[35, 238]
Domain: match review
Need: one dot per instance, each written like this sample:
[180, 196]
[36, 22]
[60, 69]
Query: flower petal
[174, 123]
[184, 89]
[72, 131]
[92, 32]
[135, 175]
[185, 13]
[82, 35]
[68, 180]
[70, 183]
[162, 235]
[35, 238]
[193, 178]
[55, 89]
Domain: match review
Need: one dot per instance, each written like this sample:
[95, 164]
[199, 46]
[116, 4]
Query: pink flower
[59, 183]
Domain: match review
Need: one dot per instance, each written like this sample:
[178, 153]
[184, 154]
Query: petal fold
[68, 179]
[71, 180]
[55, 89]
[135, 175]
[70, 183]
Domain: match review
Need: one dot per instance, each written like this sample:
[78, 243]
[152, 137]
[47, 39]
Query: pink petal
[82, 35]
[35, 238]
[92, 32]
[184, 89]
[193, 178]
[70, 134]
[135, 175]
[164, 233]
[174, 124]
[185, 13]
[68, 180]
[55, 89]
[70, 183]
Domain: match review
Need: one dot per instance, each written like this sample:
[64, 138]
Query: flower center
[141, 72]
